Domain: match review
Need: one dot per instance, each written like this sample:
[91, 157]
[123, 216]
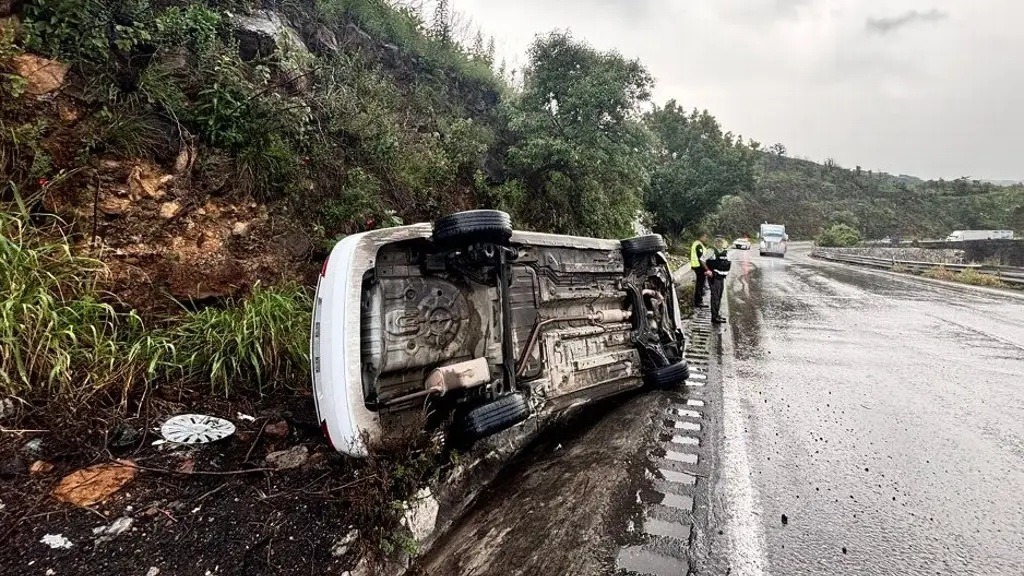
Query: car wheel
[471, 227]
[640, 245]
[668, 377]
[494, 416]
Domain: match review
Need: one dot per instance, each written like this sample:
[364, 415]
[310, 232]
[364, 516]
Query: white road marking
[743, 524]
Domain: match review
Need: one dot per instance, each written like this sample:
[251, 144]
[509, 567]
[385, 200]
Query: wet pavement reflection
[873, 424]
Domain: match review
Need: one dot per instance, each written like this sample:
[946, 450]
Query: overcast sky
[932, 88]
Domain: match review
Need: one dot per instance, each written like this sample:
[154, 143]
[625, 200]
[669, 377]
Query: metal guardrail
[1008, 274]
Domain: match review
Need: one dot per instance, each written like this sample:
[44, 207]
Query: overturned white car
[477, 326]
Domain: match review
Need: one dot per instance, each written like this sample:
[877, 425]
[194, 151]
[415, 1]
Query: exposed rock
[33, 446]
[321, 40]
[169, 210]
[261, 34]
[43, 75]
[297, 244]
[147, 181]
[114, 206]
[92, 485]
[353, 36]
[294, 457]
[174, 59]
[221, 278]
[68, 114]
[6, 408]
[118, 527]
[40, 468]
[343, 545]
[277, 429]
[186, 158]
[421, 514]
[240, 229]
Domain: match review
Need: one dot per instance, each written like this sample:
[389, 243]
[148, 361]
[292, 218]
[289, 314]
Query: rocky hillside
[222, 137]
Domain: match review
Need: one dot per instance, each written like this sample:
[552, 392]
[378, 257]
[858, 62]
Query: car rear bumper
[335, 339]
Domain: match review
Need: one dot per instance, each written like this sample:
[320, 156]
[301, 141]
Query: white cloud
[935, 95]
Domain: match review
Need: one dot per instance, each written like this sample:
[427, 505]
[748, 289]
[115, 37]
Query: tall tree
[697, 166]
[478, 45]
[491, 49]
[578, 143]
[443, 21]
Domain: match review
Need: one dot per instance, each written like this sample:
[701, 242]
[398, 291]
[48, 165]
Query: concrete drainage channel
[675, 507]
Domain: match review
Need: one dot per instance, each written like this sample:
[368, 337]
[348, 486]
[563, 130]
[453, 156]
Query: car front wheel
[668, 377]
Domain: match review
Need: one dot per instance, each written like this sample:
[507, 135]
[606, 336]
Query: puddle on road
[636, 559]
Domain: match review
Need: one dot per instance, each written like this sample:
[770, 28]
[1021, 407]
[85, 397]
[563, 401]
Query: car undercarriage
[476, 327]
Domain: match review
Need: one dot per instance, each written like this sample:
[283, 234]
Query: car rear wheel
[471, 227]
[493, 417]
[640, 245]
[668, 377]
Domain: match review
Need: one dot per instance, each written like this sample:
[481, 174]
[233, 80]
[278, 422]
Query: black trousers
[717, 287]
[699, 284]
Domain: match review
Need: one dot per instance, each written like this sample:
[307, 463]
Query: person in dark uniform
[717, 261]
[701, 273]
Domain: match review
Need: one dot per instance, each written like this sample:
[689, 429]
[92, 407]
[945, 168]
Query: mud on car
[470, 327]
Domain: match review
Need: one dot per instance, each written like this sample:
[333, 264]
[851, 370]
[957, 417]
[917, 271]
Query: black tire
[641, 245]
[493, 417]
[668, 377]
[471, 227]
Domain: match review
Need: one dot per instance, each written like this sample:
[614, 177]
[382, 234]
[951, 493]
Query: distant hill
[806, 196]
[1003, 182]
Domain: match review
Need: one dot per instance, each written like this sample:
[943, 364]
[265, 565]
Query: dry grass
[966, 276]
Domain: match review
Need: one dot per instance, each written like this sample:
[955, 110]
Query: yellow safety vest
[694, 259]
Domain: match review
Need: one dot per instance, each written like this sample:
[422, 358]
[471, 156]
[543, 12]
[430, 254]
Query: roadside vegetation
[809, 197]
[172, 174]
[839, 235]
[350, 115]
[66, 340]
[966, 276]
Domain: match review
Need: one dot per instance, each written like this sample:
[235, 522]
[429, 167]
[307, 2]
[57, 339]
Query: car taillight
[327, 435]
[323, 269]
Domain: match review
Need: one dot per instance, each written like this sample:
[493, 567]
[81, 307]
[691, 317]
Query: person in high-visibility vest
[701, 272]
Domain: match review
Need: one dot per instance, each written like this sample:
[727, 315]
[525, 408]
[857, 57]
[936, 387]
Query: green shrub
[839, 235]
[250, 344]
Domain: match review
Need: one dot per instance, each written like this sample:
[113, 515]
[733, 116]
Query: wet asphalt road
[873, 424]
[853, 422]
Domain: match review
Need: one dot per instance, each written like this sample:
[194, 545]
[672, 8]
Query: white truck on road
[773, 240]
[962, 235]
